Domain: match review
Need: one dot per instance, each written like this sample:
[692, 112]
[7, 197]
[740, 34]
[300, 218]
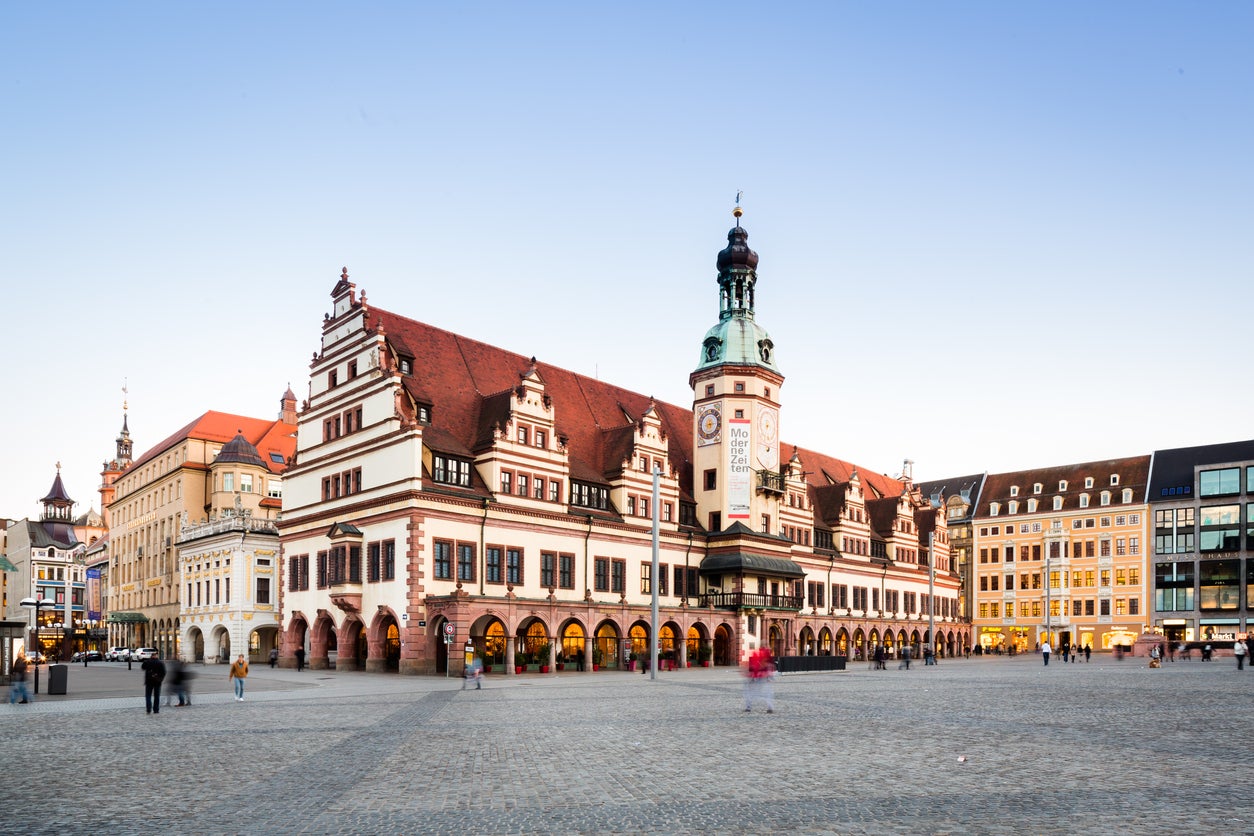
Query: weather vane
[737, 212]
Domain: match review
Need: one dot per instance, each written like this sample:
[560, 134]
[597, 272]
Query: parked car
[144, 653]
[91, 656]
[118, 654]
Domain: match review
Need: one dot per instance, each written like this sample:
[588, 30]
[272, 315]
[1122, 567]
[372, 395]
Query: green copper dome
[737, 339]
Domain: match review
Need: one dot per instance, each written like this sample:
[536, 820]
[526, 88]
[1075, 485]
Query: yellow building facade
[1060, 554]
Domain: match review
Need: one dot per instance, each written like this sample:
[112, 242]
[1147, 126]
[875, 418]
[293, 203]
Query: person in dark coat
[179, 676]
[300, 659]
[154, 675]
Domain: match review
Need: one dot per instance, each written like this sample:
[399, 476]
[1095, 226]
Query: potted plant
[485, 659]
[596, 658]
[542, 656]
[703, 655]
[520, 661]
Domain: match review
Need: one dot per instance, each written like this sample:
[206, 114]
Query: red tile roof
[266, 436]
[468, 382]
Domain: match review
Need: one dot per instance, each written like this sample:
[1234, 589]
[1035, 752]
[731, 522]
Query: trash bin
[57, 674]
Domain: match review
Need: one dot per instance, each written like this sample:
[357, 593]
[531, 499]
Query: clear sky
[993, 236]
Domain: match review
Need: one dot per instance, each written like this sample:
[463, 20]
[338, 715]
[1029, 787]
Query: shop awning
[127, 618]
[5, 565]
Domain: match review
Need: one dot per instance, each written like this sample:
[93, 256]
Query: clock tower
[735, 390]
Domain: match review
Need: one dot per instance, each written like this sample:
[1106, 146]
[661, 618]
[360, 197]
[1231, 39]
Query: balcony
[751, 601]
[770, 482]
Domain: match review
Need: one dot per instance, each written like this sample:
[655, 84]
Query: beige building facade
[172, 483]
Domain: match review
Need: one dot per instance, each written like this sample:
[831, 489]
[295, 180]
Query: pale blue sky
[993, 236]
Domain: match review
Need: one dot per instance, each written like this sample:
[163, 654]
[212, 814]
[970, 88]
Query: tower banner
[739, 471]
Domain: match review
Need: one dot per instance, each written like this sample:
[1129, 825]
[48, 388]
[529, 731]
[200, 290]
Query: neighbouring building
[960, 497]
[1060, 553]
[47, 556]
[1202, 500]
[449, 494]
[229, 562]
[173, 484]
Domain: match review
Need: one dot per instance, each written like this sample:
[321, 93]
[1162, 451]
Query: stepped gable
[463, 379]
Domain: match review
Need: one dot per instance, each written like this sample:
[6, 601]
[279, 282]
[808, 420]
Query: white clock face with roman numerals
[709, 425]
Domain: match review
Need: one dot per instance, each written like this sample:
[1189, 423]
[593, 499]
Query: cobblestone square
[983, 746]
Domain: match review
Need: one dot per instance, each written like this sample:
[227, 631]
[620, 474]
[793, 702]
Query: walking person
[274, 656]
[17, 680]
[154, 675]
[1088, 651]
[179, 675]
[474, 673]
[300, 659]
[1045, 652]
[1238, 650]
[905, 657]
[237, 675]
[759, 670]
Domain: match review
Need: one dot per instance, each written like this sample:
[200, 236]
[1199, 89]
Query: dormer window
[424, 414]
[1114, 479]
[1127, 495]
[1032, 506]
[1105, 497]
[994, 508]
[406, 364]
[1058, 503]
[1012, 507]
[1062, 485]
[1037, 488]
[1088, 483]
[450, 471]
[1084, 500]
[1014, 490]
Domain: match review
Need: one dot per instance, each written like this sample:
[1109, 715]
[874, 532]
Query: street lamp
[1049, 633]
[37, 604]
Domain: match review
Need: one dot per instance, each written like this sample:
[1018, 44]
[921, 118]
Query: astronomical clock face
[709, 425]
[768, 438]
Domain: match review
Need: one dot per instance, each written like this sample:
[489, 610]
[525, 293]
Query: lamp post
[37, 604]
[1049, 634]
[931, 594]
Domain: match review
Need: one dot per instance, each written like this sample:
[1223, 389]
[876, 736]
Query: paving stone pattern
[979, 746]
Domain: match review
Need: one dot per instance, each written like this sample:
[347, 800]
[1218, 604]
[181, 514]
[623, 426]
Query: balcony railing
[770, 481]
[751, 601]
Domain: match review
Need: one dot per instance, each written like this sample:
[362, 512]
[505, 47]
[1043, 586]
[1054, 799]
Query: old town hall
[448, 493]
